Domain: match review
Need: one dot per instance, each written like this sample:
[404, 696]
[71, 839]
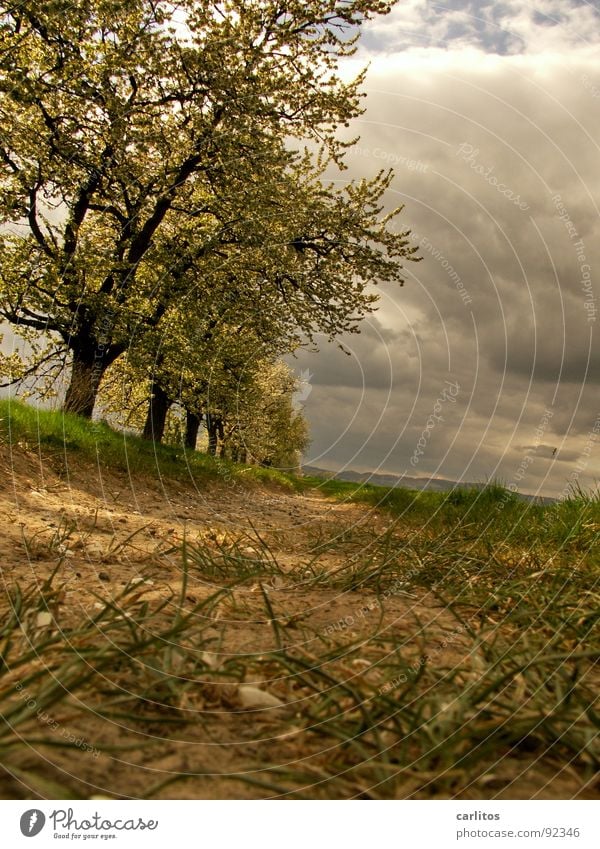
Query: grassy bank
[60, 436]
[488, 514]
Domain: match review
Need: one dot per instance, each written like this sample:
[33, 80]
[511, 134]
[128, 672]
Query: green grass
[491, 513]
[59, 435]
[491, 509]
[123, 662]
[485, 516]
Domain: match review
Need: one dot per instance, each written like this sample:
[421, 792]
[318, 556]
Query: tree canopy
[155, 173]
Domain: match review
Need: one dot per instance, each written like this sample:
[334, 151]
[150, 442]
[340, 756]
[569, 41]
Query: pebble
[253, 697]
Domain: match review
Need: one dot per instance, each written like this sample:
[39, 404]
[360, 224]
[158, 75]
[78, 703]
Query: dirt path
[96, 521]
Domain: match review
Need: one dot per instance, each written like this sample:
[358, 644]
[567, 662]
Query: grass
[489, 513]
[520, 689]
[495, 694]
[58, 435]
[410, 721]
[52, 674]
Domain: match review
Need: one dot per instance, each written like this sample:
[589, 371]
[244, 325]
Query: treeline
[168, 231]
[253, 419]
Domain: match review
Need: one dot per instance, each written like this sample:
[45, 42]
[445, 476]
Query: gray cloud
[506, 28]
[496, 161]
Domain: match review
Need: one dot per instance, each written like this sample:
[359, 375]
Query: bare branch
[52, 355]
[34, 224]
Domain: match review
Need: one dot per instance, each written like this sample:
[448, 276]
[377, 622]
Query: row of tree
[165, 213]
[254, 420]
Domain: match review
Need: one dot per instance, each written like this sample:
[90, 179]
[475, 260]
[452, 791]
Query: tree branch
[11, 164]
[110, 210]
[32, 369]
[34, 225]
[36, 323]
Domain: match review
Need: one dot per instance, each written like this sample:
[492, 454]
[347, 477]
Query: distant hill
[392, 481]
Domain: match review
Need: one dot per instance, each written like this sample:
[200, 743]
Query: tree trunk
[192, 426]
[157, 413]
[91, 358]
[211, 429]
[86, 375]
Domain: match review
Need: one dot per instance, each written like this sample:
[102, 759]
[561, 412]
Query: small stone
[253, 697]
[211, 659]
[43, 619]
[104, 576]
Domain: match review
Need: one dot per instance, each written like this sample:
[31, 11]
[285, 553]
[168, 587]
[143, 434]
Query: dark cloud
[496, 161]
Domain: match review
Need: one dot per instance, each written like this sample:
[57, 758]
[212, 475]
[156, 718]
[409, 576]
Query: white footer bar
[302, 824]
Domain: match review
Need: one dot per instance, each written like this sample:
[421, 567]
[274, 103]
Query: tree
[247, 408]
[260, 424]
[117, 115]
[204, 362]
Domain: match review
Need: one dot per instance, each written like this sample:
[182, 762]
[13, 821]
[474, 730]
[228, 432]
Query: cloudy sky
[486, 364]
